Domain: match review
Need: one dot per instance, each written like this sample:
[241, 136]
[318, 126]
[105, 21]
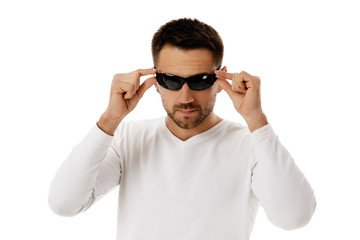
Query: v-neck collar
[193, 140]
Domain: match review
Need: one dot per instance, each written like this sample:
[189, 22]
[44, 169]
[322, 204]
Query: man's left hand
[245, 95]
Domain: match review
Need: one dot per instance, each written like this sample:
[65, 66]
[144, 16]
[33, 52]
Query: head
[187, 47]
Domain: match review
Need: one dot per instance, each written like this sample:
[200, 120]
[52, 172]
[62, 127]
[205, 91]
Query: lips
[186, 111]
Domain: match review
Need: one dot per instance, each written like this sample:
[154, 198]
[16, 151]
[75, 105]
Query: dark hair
[188, 34]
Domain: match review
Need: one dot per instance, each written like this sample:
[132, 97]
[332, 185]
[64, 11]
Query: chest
[203, 171]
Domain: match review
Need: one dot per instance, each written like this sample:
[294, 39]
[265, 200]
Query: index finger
[147, 71]
[226, 75]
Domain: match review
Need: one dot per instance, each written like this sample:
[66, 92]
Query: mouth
[186, 112]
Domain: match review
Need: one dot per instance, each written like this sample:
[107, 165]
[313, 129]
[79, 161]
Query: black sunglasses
[197, 82]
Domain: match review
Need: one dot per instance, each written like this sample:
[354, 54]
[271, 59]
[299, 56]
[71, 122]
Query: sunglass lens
[201, 82]
[168, 81]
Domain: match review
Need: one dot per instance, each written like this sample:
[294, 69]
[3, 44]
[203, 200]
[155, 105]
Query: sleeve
[278, 184]
[92, 169]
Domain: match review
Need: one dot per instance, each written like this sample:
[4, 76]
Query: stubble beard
[189, 122]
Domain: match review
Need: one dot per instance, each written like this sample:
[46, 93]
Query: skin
[192, 111]
[189, 112]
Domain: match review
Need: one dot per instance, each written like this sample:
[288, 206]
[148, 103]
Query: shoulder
[234, 127]
[138, 128]
[233, 131]
[142, 124]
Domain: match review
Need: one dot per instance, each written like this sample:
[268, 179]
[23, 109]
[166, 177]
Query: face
[187, 108]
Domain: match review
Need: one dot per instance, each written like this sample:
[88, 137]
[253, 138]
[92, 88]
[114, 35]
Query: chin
[187, 122]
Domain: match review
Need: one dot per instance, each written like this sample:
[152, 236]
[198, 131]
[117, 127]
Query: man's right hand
[125, 94]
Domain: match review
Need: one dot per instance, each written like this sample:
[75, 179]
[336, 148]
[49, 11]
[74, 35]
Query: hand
[245, 95]
[125, 94]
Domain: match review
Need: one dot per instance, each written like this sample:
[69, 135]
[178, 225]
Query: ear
[224, 69]
[157, 87]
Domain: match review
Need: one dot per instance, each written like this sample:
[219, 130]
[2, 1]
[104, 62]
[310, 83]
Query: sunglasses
[197, 82]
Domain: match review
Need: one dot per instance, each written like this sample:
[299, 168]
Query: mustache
[186, 106]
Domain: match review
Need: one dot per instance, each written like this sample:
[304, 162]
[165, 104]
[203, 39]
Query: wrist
[256, 121]
[108, 123]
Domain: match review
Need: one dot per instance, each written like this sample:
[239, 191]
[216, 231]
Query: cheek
[167, 97]
[207, 96]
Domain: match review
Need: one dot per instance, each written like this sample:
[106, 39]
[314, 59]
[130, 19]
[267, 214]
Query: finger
[225, 85]
[145, 86]
[238, 82]
[242, 85]
[121, 87]
[130, 92]
[147, 71]
[226, 75]
[246, 75]
[250, 80]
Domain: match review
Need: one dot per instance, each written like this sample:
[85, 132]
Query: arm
[91, 170]
[278, 184]
[94, 165]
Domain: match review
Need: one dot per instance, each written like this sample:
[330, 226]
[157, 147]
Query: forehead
[185, 63]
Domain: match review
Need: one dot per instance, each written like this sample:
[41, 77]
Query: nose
[185, 95]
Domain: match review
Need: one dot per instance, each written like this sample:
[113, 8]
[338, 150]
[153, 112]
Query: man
[191, 175]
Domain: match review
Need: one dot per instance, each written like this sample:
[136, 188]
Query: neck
[184, 134]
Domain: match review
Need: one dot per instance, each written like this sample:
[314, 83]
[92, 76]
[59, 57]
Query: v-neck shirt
[207, 187]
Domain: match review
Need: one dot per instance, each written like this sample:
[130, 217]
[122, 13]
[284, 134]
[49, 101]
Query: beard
[190, 122]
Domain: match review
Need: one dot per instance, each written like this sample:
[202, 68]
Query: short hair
[188, 34]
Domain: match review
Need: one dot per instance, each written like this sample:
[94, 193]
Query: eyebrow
[188, 76]
[203, 73]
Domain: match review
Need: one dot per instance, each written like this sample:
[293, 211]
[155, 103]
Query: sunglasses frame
[182, 80]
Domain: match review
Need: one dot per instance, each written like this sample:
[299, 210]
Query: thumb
[145, 86]
[226, 86]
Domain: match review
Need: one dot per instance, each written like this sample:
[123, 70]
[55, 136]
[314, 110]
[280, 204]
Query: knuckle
[131, 87]
[118, 76]
[138, 71]
[114, 82]
[243, 73]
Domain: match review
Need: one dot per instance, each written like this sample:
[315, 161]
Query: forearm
[72, 188]
[277, 182]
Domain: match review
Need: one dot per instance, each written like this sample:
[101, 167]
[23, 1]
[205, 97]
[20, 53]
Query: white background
[57, 60]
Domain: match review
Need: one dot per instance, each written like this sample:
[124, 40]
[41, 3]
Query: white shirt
[207, 187]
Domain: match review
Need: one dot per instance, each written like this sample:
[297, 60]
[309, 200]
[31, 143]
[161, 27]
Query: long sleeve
[91, 170]
[278, 184]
